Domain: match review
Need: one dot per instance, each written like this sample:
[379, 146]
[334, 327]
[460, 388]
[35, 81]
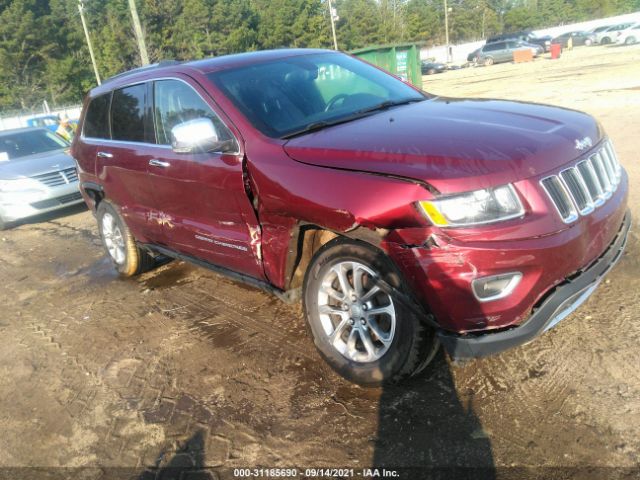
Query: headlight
[20, 185]
[474, 208]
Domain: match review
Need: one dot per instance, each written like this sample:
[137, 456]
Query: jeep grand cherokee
[402, 220]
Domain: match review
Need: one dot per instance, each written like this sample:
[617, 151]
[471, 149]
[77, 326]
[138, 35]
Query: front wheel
[605, 41]
[488, 61]
[127, 257]
[364, 333]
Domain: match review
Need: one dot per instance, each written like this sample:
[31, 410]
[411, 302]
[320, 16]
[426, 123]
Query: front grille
[578, 190]
[56, 202]
[55, 179]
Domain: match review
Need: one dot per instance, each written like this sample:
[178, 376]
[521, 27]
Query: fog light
[496, 286]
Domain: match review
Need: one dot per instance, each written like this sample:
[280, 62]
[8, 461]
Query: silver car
[36, 174]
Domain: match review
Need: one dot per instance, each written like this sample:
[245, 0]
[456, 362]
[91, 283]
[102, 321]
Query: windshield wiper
[389, 103]
[315, 126]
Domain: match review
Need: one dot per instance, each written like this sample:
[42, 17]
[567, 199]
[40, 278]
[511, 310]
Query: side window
[176, 102]
[96, 122]
[127, 114]
[493, 47]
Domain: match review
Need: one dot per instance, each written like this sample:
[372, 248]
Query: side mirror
[197, 135]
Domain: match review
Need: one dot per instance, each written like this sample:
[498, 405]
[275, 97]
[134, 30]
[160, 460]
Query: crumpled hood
[453, 144]
[36, 164]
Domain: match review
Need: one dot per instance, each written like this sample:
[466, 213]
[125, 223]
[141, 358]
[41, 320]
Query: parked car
[500, 52]
[597, 30]
[630, 35]
[430, 68]
[610, 35]
[524, 36]
[37, 175]
[51, 122]
[578, 38]
[474, 56]
[401, 219]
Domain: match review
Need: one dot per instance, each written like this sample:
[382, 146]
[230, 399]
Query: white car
[629, 36]
[610, 35]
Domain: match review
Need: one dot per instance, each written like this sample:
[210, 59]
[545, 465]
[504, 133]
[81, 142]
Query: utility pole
[86, 34]
[137, 28]
[446, 29]
[333, 16]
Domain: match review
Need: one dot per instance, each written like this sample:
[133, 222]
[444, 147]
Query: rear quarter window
[96, 122]
[127, 113]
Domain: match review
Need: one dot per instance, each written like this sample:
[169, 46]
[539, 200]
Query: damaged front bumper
[554, 307]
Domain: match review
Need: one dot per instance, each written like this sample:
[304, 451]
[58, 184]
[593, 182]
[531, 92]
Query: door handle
[159, 163]
[105, 155]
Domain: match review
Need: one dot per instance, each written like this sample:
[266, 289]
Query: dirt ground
[182, 367]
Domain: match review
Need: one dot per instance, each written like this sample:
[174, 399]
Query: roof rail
[162, 63]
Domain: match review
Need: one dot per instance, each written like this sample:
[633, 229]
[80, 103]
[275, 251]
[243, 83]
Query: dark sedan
[577, 39]
[430, 68]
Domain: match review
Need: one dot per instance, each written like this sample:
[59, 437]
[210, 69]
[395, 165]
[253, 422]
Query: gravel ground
[182, 367]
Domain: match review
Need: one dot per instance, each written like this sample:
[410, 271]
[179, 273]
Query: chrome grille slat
[577, 189]
[560, 198]
[56, 179]
[591, 181]
[580, 189]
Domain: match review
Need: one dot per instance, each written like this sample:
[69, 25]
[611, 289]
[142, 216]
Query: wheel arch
[94, 194]
[306, 239]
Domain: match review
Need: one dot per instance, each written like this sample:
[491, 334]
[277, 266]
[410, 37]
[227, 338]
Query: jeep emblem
[584, 143]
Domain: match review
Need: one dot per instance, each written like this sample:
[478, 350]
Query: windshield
[292, 95]
[29, 142]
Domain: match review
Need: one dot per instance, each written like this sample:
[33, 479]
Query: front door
[200, 197]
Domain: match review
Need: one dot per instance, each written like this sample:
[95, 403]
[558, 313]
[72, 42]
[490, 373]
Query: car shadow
[187, 462]
[425, 430]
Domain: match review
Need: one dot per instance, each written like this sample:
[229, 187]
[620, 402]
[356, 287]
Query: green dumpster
[401, 59]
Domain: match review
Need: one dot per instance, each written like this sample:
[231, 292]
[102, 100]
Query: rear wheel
[605, 41]
[587, 42]
[127, 257]
[488, 61]
[364, 333]
[630, 40]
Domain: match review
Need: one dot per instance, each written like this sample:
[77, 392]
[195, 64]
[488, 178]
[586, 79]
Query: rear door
[122, 164]
[201, 197]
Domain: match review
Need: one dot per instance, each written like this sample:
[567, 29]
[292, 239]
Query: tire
[630, 40]
[405, 345]
[605, 41]
[588, 43]
[488, 61]
[431, 71]
[127, 257]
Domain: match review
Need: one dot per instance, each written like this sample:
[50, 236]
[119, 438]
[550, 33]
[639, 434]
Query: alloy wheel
[113, 238]
[358, 318]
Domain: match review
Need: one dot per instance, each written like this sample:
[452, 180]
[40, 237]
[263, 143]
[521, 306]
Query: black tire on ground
[488, 61]
[413, 345]
[605, 41]
[630, 40]
[136, 260]
[431, 71]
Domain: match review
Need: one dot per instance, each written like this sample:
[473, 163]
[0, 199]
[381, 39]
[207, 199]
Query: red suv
[402, 220]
